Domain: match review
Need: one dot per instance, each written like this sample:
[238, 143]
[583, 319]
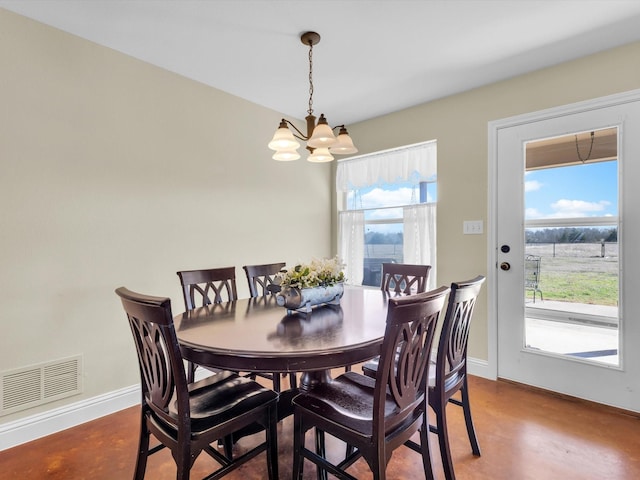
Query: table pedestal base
[311, 379]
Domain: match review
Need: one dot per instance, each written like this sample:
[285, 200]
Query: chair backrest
[451, 361]
[204, 287]
[260, 278]
[159, 358]
[404, 356]
[404, 278]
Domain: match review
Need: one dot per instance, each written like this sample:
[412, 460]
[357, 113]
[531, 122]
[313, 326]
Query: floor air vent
[27, 387]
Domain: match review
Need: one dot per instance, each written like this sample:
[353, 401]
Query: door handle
[505, 266]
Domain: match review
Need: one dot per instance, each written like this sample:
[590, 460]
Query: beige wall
[114, 172]
[460, 125]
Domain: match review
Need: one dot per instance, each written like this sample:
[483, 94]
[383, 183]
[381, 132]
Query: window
[388, 211]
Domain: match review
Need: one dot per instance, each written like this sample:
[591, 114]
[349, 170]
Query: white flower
[317, 273]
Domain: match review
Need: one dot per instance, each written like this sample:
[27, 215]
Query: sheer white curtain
[351, 245]
[420, 237]
[416, 163]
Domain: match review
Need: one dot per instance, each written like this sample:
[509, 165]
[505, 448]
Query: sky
[589, 190]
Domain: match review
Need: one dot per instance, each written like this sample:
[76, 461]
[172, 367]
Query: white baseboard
[31, 428]
[479, 368]
[46, 423]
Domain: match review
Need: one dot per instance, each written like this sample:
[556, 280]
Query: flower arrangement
[318, 273]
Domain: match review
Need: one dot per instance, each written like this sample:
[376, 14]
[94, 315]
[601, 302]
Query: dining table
[257, 335]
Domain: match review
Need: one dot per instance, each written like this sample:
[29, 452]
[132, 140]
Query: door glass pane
[571, 247]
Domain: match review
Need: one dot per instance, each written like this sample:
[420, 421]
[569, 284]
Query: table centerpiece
[305, 286]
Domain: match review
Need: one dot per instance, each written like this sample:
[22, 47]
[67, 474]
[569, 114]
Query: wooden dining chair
[376, 416]
[261, 282]
[260, 278]
[204, 287]
[450, 373]
[404, 278]
[188, 417]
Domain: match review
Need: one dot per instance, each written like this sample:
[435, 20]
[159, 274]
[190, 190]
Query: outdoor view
[382, 204]
[571, 263]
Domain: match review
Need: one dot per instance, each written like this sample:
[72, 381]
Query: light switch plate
[472, 227]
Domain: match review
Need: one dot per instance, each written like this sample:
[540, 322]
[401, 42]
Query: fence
[586, 250]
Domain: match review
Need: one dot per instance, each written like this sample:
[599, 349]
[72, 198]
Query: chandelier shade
[283, 139]
[286, 155]
[322, 136]
[320, 139]
[320, 155]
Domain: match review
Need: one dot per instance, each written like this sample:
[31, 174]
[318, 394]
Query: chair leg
[143, 450]
[276, 382]
[378, 464]
[293, 381]
[191, 372]
[425, 450]
[321, 451]
[272, 444]
[471, 431]
[183, 459]
[227, 444]
[298, 445]
[443, 441]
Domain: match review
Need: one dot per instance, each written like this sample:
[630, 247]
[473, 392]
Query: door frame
[492, 235]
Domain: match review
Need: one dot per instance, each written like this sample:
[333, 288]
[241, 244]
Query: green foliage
[586, 280]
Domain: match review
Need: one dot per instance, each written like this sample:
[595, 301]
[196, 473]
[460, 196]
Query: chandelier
[321, 141]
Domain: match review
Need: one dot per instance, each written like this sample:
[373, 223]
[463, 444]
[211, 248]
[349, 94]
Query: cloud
[531, 213]
[532, 185]
[564, 208]
[379, 198]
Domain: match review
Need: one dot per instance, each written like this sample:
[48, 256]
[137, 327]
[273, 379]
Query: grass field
[569, 272]
[578, 273]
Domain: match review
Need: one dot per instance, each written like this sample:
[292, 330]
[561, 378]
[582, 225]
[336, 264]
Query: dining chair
[404, 278]
[188, 417]
[449, 373]
[204, 287]
[376, 416]
[261, 282]
[260, 278]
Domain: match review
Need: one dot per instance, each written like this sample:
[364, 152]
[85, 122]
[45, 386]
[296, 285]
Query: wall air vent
[27, 387]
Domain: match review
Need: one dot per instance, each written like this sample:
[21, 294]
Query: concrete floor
[586, 331]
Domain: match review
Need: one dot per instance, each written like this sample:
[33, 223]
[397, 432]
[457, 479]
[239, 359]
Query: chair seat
[348, 400]
[222, 397]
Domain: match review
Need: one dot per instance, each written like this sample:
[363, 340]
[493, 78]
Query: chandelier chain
[310, 111]
[590, 149]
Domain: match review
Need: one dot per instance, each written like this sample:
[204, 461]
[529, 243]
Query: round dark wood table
[257, 335]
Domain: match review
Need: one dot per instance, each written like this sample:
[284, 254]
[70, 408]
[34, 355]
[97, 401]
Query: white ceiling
[375, 57]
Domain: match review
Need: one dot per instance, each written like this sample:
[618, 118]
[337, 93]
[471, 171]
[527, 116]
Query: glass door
[571, 268]
[566, 228]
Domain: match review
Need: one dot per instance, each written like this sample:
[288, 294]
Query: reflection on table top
[257, 335]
